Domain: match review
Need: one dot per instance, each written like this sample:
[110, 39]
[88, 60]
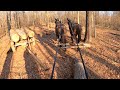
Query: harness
[71, 25]
[80, 55]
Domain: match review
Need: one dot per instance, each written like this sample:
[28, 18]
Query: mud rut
[99, 62]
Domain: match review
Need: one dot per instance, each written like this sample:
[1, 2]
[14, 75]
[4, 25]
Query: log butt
[79, 72]
[29, 32]
[14, 36]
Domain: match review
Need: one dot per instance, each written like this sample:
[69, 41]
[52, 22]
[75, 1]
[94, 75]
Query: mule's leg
[64, 41]
[57, 39]
[79, 38]
[57, 35]
[72, 38]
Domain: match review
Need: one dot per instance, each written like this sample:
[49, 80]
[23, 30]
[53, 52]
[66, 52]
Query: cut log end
[29, 32]
[14, 36]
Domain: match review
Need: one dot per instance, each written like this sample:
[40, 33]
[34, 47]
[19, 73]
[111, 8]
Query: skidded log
[14, 36]
[21, 33]
[82, 45]
[22, 43]
[29, 32]
[79, 72]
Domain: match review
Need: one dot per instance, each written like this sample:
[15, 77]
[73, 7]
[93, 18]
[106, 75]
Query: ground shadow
[6, 67]
[108, 57]
[108, 43]
[32, 68]
[101, 60]
[92, 75]
[115, 34]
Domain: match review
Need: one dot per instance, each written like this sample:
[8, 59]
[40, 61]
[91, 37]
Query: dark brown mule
[75, 30]
[60, 31]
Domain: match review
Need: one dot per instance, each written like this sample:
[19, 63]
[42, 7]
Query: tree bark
[93, 25]
[8, 22]
[16, 18]
[87, 37]
[78, 17]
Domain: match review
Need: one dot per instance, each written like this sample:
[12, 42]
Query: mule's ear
[55, 19]
[68, 19]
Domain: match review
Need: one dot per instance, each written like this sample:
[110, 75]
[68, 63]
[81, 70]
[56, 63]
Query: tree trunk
[47, 19]
[16, 19]
[8, 22]
[78, 17]
[97, 17]
[93, 25]
[87, 37]
[24, 19]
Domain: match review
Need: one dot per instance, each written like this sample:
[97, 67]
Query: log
[32, 27]
[38, 61]
[29, 32]
[79, 72]
[12, 46]
[21, 33]
[14, 36]
[21, 43]
[62, 44]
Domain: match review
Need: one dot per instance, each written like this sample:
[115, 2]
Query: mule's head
[56, 20]
[68, 19]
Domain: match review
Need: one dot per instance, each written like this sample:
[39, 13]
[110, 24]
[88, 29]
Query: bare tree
[87, 37]
[17, 19]
[93, 24]
[96, 17]
[8, 15]
[78, 18]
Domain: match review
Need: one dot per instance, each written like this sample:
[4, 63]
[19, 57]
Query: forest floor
[102, 59]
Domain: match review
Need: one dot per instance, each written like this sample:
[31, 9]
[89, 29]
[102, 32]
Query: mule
[75, 31]
[60, 31]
